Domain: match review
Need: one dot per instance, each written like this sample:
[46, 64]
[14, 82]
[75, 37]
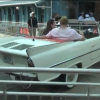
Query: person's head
[50, 26]
[82, 14]
[87, 16]
[54, 16]
[91, 14]
[32, 14]
[57, 15]
[63, 21]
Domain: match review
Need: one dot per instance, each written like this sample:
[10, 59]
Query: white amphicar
[49, 53]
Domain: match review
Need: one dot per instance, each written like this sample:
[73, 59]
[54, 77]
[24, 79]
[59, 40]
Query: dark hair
[48, 28]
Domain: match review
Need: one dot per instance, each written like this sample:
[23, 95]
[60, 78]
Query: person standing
[32, 24]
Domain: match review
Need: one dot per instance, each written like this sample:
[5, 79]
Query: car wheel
[24, 86]
[69, 77]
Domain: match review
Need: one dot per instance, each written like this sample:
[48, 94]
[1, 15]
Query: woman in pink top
[63, 32]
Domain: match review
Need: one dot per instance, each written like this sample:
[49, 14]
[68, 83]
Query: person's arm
[43, 37]
[48, 36]
[28, 23]
[77, 35]
[36, 23]
[81, 33]
[83, 38]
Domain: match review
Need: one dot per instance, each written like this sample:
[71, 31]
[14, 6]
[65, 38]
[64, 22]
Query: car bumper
[24, 76]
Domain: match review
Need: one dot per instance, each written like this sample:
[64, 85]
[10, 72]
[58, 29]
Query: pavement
[4, 35]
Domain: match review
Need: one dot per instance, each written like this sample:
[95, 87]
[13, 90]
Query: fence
[5, 93]
[21, 28]
[18, 28]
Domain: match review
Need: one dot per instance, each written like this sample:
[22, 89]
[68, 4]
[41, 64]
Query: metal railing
[21, 28]
[18, 28]
[6, 93]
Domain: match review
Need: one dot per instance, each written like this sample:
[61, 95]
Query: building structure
[18, 11]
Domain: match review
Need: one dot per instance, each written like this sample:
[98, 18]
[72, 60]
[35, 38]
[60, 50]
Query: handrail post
[16, 97]
[40, 98]
[61, 98]
[88, 93]
[4, 91]
[52, 98]
[28, 97]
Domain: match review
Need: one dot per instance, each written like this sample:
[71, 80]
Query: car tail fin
[36, 50]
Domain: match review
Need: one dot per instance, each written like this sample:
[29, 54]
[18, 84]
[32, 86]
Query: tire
[69, 77]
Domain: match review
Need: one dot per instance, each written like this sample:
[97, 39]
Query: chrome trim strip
[72, 58]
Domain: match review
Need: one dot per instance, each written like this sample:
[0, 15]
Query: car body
[48, 53]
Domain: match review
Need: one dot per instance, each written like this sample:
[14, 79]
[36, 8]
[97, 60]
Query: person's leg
[34, 31]
[30, 31]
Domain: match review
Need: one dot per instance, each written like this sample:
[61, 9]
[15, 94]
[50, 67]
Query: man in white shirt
[63, 32]
[87, 17]
[81, 18]
[91, 16]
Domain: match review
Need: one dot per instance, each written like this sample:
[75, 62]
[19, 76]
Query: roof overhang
[13, 3]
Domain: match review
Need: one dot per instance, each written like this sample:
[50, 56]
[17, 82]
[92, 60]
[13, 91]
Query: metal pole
[46, 94]
[52, 98]
[67, 9]
[16, 97]
[4, 92]
[88, 93]
[41, 6]
[48, 83]
[49, 70]
[40, 98]
[28, 97]
[51, 8]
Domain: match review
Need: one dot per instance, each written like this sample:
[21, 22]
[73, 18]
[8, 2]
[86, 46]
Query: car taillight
[30, 62]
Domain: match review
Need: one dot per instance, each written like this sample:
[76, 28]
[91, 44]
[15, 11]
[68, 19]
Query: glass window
[9, 14]
[29, 11]
[17, 15]
[86, 7]
[72, 9]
